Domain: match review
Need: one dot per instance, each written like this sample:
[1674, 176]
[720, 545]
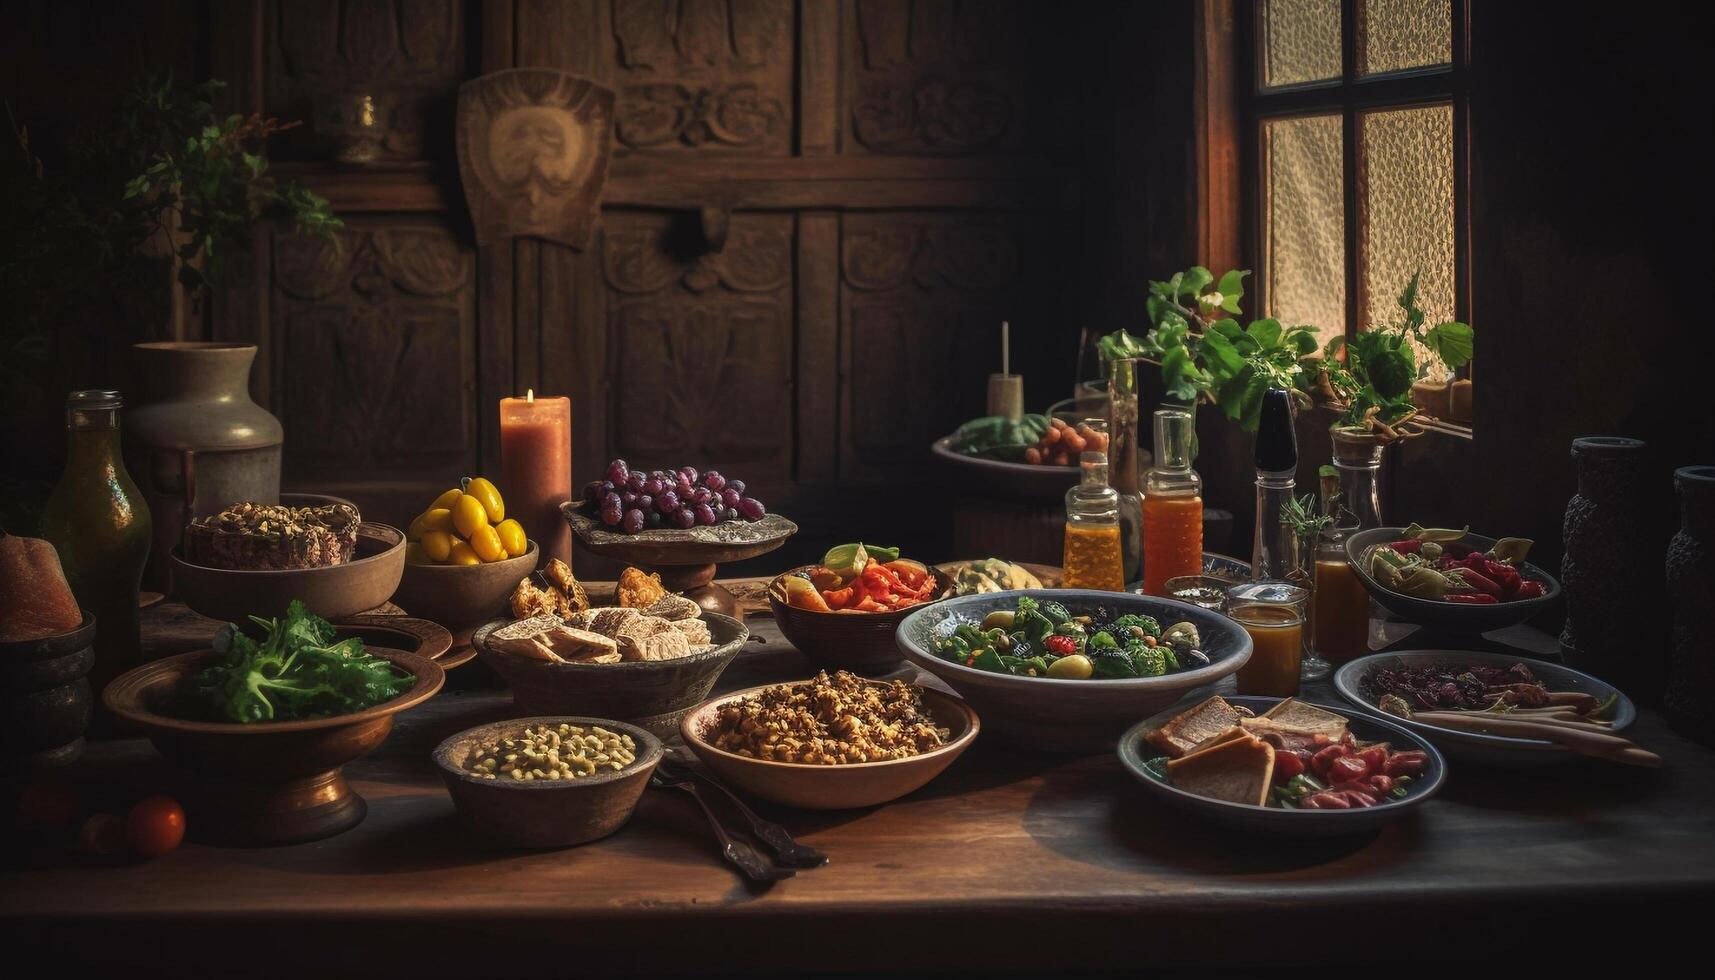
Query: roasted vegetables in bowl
[1069, 711]
[1450, 578]
[842, 613]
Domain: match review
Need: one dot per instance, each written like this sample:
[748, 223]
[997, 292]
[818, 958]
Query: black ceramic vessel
[1612, 569]
[1691, 589]
[45, 699]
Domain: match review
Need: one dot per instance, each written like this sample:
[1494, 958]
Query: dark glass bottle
[1611, 571]
[96, 519]
[1691, 591]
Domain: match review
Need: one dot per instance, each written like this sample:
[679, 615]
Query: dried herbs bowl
[272, 782]
[332, 592]
[861, 642]
[650, 694]
[1048, 714]
[544, 813]
[831, 787]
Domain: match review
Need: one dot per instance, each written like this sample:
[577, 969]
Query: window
[1352, 114]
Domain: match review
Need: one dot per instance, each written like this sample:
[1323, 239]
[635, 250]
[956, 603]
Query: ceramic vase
[198, 443]
[1611, 571]
[1691, 592]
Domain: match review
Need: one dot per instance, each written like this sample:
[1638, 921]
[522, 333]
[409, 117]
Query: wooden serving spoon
[1578, 737]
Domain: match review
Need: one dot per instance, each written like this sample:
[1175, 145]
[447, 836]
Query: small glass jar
[1273, 614]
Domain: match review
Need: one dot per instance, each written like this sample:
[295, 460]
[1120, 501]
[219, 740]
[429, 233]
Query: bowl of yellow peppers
[464, 557]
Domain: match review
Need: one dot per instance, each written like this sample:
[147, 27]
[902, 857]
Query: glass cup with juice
[1273, 614]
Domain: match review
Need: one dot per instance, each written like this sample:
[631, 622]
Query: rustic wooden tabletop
[1007, 861]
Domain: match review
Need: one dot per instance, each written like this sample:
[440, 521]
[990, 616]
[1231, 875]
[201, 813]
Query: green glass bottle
[96, 519]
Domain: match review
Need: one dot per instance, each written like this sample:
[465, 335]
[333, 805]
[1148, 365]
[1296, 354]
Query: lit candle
[536, 468]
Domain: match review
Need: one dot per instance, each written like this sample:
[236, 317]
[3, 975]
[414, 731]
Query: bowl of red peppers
[1451, 577]
[842, 612]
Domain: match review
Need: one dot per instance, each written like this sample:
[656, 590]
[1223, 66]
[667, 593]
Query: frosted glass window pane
[1394, 35]
[1407, 187]
[1306, 222]
[1300, 41]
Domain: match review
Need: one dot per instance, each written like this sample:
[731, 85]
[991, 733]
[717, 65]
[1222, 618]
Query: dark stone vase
[45, 699]
[1611, 571]
[1691, 590]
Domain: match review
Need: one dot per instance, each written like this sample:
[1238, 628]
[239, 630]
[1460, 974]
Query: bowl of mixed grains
[548, 781]
[832, 742]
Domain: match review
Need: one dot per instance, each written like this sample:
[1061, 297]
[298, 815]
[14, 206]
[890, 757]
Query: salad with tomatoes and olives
[1042, 638]
[1430, 563]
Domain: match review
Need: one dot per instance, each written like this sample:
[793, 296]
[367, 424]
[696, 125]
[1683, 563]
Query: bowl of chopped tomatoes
[846, 620]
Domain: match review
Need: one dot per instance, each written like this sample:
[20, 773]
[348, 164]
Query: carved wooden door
[817, 214]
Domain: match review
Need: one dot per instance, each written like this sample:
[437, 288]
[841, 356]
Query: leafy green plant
[296, 671]
[205, 181]
[1204, 353]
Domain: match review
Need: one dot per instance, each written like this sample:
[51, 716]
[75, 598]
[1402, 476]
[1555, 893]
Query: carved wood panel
[700, 344]
[409, 55]
[704, 74]
[947, 77]
[922, 297]
[372, 344]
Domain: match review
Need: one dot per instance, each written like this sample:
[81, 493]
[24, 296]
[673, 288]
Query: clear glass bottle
[1124, 458]
[1172, 504]
[98, 523]
[1093, 555]
[1341, 618]
[1275, 546]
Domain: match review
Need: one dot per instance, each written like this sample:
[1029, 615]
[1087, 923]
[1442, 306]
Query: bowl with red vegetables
[1451, 578]
[1282, 767]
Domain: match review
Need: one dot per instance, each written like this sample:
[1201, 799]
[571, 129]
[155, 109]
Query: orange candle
[536, 468]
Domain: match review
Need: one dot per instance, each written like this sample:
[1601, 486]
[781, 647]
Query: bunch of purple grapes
[632, 500]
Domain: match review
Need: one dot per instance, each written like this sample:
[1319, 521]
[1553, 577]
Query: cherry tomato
[1347, 768]
[1287, 765]
[44, 806]
[1375, 757]
[155, 826]
[1325, 758]
[102, 834]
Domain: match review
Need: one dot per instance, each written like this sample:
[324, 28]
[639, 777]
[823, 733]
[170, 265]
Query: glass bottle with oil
[1172, 504]
[1093, 556]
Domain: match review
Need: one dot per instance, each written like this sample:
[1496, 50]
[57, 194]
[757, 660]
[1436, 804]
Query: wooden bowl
[461, 596]
[45, 698]
[545, 813]
[861, 642]
[843, 787]
[651, 694]
[1048, 714]
[335, 592]
[1455, 617]
[269, 782]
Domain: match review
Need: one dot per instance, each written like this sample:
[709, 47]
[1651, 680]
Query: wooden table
[1007, 861]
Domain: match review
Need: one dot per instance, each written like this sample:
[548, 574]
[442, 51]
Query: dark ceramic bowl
[270, 782]
[544, 813]
[334, 592]
[461, 596]
[45, 698]
[1475, 747]
[860, 642]
[1052, 715]
[1135, 754]
[651, 694]
[1462, 617]
[845, 787]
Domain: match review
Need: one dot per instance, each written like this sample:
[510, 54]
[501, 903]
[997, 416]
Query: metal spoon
[789, 851]
[740, 853]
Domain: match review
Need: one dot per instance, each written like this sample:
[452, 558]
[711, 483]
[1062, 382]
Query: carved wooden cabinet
[817, 214]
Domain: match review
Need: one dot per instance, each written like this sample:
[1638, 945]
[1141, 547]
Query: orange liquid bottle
[1172, 505]
[1093, 557]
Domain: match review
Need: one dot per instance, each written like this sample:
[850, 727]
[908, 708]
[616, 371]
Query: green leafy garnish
[296, 671]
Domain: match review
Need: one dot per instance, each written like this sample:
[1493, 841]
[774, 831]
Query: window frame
[1350, 96]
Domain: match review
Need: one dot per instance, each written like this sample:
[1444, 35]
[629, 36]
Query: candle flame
[530, 394]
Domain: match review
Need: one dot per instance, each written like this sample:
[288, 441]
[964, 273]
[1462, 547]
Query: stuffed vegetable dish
[1046, 638]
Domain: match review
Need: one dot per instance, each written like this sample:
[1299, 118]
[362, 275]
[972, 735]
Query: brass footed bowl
[269, 782]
